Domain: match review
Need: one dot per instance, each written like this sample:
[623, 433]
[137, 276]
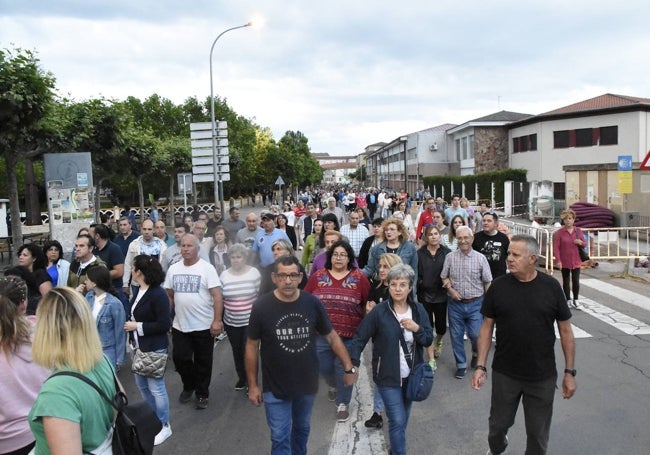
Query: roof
[443, 127]
[502, 116]
[606, 101]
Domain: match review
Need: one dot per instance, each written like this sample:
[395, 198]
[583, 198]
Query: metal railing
[614, 243]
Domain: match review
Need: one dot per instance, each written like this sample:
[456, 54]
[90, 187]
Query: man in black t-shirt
[493, 244]
[285, 323]
[524, 305]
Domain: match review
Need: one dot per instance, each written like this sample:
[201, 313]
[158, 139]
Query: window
[524, 143]
[464, 146]
[561, 139]
[471, 146]
[608, 135]
[457, 149]
[584, 137]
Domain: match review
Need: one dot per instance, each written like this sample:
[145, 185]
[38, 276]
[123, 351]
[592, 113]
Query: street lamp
[218, 183]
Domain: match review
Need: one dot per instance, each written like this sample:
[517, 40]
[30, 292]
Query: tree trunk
[141, 199]
[32, 206]
[14, 207]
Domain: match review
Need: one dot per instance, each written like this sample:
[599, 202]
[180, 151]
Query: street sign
[184, 182]
[279, 181]
[624, 163]
[199, 178]
[210, 169]
[645, 164]
[207, 160]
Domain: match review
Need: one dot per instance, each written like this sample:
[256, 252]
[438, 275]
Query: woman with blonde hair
[395, 241]
[70, 417]
[20, 376]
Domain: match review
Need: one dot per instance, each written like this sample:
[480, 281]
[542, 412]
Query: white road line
[622, 294]
[577, 332]
[622, 322]
[352, 437]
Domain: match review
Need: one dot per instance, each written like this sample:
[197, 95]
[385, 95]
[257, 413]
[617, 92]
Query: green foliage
[135, 144]
[483, 181]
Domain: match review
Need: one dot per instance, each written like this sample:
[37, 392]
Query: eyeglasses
[491, 212]
[339, 255]
[291, 276]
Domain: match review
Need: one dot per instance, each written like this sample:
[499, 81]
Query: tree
[26, 93]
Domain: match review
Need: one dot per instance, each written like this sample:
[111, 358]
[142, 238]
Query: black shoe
[241, 384]
[460, 373]
[186, 396]
[474, 361]
[376, 421]
[202, 403]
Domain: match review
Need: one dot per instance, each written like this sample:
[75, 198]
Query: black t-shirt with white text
[287, 332]
[495, 249]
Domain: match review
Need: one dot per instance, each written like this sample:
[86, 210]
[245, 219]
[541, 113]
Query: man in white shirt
[194, 292]
[147, 243]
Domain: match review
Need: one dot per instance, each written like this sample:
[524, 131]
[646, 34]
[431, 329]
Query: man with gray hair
[524, 305]
[466, 275]
[247, 235]
[332, 208]
[194, 292]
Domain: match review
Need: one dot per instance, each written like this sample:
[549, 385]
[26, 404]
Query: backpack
[372, 199]
[135, 426]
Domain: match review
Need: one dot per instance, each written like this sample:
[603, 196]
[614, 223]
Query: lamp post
[218, 183]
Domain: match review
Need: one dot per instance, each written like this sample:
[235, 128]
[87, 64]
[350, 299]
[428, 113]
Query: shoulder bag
[420, 381]
[135, 426]
[149, 364]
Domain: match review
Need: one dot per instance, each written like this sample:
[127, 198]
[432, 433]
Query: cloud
[346, 74]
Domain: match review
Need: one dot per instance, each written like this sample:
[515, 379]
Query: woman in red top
[566, 242]
[343, 289]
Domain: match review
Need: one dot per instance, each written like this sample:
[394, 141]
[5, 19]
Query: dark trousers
[537, 398]
[437, 315]
[237, 338]
[571, 281]
[192, 354]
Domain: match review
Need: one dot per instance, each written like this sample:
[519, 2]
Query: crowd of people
[299, 291]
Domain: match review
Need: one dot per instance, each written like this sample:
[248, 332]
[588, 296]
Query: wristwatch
[571, 372]
[352, 370]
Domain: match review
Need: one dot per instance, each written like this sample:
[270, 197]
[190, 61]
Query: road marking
[352, 437]
[577, 332]
[622, 322]
[622, 294]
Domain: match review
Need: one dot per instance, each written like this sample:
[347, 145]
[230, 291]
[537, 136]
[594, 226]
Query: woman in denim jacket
[108, 313]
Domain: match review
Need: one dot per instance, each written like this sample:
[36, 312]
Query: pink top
[564, 250]
[21, 380]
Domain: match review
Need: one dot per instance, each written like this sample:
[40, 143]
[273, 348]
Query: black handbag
[135, 426]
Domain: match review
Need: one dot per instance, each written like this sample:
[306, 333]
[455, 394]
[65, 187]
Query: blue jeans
[332, 369]
[378, 403]
[289, 422]
[154, 393]
[398, 409]
[464, 317]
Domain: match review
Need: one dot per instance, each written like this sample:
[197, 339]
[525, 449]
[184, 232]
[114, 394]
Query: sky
[346, 73]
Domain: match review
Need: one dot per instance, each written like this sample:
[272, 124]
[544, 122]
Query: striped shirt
[468, 273]
[239, 293]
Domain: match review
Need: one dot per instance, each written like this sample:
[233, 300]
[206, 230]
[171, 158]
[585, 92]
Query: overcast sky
[347, 73]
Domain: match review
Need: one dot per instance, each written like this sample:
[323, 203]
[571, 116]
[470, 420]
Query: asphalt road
[608, 415]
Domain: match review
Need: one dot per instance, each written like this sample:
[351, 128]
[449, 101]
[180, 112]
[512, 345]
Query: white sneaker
[163, 435]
